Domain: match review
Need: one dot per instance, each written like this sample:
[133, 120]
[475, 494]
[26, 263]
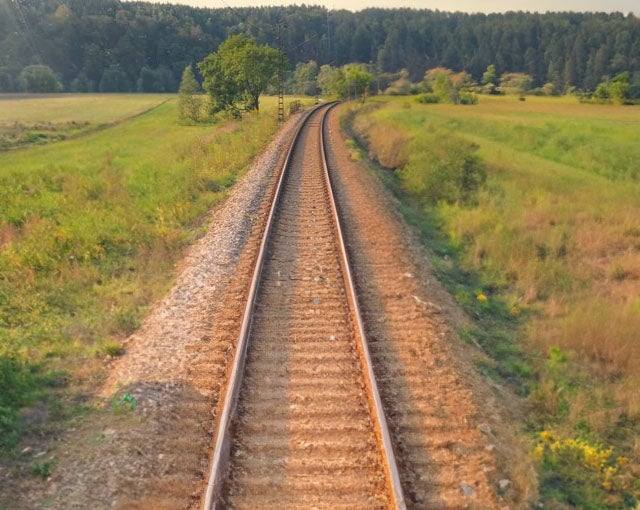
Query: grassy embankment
[546, 259]
[90, 229]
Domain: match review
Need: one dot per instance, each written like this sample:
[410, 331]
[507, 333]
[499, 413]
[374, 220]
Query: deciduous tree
[38, 78]
[188, 102]
[238, 73]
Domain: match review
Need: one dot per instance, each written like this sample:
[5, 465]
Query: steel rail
[373, 394]
[222, 441]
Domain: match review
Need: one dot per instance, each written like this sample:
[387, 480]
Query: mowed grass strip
[546, 259]
[90, 230]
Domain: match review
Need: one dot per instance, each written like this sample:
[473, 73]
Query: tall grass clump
[90, 231]
[544, 256]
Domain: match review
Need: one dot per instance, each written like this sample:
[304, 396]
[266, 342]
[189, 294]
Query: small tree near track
[188, 102]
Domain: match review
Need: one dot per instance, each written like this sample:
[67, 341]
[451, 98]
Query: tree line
[114, 46]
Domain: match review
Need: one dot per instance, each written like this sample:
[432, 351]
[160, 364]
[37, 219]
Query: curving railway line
[301, 424]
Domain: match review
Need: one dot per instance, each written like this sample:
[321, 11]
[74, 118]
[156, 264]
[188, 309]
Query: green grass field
[545, 256]
[27, 120]
[90, 229]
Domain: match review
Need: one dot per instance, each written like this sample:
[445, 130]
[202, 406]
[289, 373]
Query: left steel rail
[222, 437]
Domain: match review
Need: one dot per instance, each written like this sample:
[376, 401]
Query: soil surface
[449, 425]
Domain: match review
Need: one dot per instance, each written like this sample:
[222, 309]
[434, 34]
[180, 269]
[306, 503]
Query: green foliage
[515, 83]
[305, 78]
[570, 49]
[19, 382]
[114, 79]
[189, 105]
[124, 403]
[490, 77]
[619, 88]
[443, 88]
[428, 98]
[238, 73]
[583, 473]
[615, 90]
[447, 87]
[113, 349]
[357, 81]
[156, 80]
[42, 470]
[332, 82]
[444, 168]
[467, 98]
[39, 78]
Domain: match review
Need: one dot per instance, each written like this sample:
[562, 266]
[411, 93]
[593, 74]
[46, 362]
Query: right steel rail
[373, 394]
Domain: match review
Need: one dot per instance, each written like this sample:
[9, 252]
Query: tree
[114, 79]
[156, 80]
[238, 73]
[619, 88]
[37, 78]
[331, 81]
[6, 80]
[305, 78]
[489, 76]
[489, 80]
[80, 83]
[357, 81]
[515, 83]
[188, 103]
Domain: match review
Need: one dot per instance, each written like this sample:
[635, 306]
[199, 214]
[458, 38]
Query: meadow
[532, 212]
[90, 231]
[27, 120]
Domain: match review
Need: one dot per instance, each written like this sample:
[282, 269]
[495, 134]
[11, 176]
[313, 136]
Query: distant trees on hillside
[150, 44]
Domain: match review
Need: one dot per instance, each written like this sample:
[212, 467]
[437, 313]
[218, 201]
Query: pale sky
[624, 6]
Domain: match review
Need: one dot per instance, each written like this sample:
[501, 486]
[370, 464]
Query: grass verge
[90, 230]
[543, 255]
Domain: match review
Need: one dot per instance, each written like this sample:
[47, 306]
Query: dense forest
[111, 46]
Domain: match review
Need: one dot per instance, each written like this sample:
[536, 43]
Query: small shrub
[125, 403]
[428, 98]
[467, 98]
[18, 386]
[294, 107]
[583, 473]
[42, 470]
[113, 349]
[445, 168]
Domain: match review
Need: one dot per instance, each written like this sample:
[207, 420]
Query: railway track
[301, 424]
